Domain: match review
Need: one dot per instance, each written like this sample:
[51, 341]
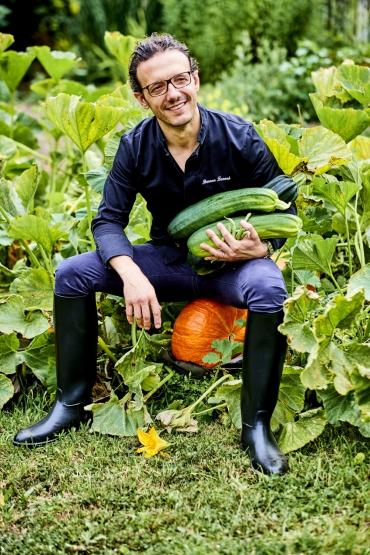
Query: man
[180, 155]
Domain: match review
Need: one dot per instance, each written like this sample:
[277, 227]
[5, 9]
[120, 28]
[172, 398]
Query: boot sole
[33, 444]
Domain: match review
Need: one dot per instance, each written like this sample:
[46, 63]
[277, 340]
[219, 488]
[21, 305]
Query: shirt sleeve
[262, 168]
[119, 195]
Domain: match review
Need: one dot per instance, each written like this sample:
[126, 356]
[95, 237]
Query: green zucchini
[284, 186]
[218, 206]
[268, 226]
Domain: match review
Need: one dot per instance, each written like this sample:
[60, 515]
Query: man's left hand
[230, 249]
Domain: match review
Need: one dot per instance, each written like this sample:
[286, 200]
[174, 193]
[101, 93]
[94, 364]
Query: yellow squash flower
[151, 441]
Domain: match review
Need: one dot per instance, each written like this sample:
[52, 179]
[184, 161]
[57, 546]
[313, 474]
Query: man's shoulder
[225, 118]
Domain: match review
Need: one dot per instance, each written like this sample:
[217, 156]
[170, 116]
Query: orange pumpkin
[199, 324]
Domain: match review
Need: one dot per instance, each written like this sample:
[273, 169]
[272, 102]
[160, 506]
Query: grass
[91, 494]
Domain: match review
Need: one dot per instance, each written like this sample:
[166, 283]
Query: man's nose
[172, 92]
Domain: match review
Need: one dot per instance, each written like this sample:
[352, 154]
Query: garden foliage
[54, 159]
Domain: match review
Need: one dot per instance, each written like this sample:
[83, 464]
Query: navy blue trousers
[254, 284]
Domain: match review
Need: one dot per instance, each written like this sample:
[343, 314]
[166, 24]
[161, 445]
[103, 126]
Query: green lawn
[92, 494]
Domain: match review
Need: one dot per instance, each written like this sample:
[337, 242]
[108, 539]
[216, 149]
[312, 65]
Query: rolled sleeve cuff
[112, 245]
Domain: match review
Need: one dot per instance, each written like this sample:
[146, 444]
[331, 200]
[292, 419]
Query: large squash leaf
[13, 67]
[5, 41]
[346, 122]
[9, 345]
[83, 122]
[360, 280]
[13, 318]
[297, 319]
[308, 427]
[121, 47]
[356, 80]
[35, 228]
[35, 287]
[323, 149]
[55, 62]
[6, 390]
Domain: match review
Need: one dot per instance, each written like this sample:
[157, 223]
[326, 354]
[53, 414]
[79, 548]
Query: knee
[70, 279]
[266, 291]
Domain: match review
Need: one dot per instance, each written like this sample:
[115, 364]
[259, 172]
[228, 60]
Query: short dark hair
[150, 46]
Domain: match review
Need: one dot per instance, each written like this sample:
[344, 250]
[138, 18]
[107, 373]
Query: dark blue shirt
[230, 155]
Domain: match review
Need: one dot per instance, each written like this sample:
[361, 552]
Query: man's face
[177, 107]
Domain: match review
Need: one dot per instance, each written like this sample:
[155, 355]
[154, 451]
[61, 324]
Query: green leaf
[13, 67]
[346, 122]
[83, 122]
[121, 47]
[308, 427]
[230, 393]
[360, 280]
[5, 41]
[96, 178]
[340, 408]
[9, 199]
[9, 345]
[339, 313]
[360, 147]
[6, 390]
[55, 62]
[12, 318]
[316, 374]
[114, 418]
[35, 228]
[323, 149]
[36, 288]
[337, 193]
[356, 80]
[276, 140]
[26, 185]
[291, 397]
[299, 309]
[314, 253]
[39, 356]
[326, 82]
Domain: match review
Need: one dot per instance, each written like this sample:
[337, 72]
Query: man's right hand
[140, 298]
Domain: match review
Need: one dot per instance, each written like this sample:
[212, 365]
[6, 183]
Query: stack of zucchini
[261, 204]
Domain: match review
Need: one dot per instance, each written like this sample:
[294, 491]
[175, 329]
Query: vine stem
[88, 200]
[133, 333]
[208, 391]
[358, 244]
[210, 409]
[102, 344]
[162, 382]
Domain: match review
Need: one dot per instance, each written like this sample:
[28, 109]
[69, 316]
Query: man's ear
[141, 99]
[196, 79]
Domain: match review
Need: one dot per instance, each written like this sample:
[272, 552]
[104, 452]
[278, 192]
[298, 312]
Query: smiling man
[180, 155]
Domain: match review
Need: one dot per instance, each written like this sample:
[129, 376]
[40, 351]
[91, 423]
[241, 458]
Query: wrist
[268, 248]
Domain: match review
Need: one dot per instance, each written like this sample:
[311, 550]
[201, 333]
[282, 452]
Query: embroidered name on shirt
[205, 181]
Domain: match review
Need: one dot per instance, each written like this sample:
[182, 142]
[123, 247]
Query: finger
[138, 315]
[228, 237]
[146, 319]
[222, 246]
[252, 233]
[129, 313]
[216, 253]
[156, 312]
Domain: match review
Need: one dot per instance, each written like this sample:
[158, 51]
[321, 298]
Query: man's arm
[115, 248]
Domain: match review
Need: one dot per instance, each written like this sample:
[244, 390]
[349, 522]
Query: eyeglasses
[161, 87]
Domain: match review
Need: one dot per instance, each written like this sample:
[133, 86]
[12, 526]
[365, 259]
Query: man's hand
[233, 250]
[140, 298]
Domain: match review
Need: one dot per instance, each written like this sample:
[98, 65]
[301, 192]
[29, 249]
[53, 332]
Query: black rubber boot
[265, 350]
[75, 322]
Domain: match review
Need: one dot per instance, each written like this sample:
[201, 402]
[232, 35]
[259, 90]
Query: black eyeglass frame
[168, 81]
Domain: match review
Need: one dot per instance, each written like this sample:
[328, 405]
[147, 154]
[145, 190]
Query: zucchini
[268, 226]
[284, 186]
[216, 207]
